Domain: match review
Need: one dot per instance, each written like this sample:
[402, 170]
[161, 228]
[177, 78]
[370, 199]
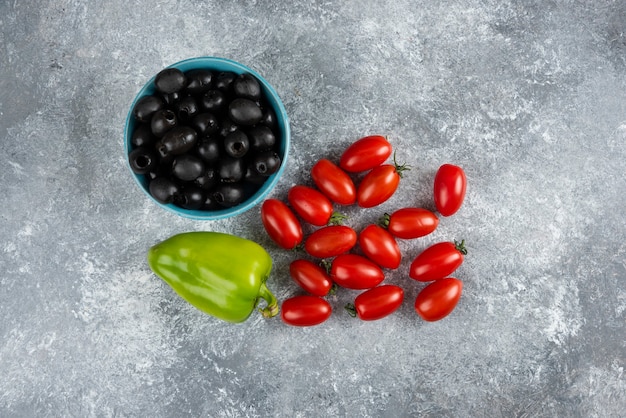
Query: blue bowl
[284, 137]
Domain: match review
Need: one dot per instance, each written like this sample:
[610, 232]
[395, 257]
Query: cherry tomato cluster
[331, 243]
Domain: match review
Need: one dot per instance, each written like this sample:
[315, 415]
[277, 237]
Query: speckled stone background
[529, 97]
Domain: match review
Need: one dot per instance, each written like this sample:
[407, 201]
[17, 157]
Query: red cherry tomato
[380, 246]
[330, 241]
[281, 224]
[313, 206]
[335, 183]
[379, 184]
[311, 277]
[305, 310]
[437, 261]
[365, 154]
[378, 302]
[438, 299]
[409, 223]
[353, 271]
[449, 189]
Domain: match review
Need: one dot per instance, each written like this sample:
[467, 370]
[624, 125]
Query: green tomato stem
[337, 218]
[460, 247]
[400, 167]
[333, 289]
[351, 309]
[383, 221]
[326, 265]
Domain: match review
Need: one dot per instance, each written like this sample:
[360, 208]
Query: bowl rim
[216, 64]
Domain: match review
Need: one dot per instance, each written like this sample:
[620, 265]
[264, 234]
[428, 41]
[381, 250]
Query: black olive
[210, 203]
[261, 138]
[162, 121]
[213, 101]
[143, 160]
[163, 168]
[207, 180]
[198, 81]
[163, 189]
[146, 106]
[253, 177]
[170, 80]
[227, 127]
[209, 149]
[269, 118]
[205, 123]
[142, 135]
[236, 144]
[244, 112]
[229, 194]
[187, 167]
[171, 98]
[231, 169]
[224, 81]
[245, 85]
[186, 108]
[177, 141]
[191, 197]
[266, 163]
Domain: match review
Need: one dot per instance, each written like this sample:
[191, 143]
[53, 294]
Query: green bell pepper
[220, 274]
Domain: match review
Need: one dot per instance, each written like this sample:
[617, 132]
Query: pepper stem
[272, 307]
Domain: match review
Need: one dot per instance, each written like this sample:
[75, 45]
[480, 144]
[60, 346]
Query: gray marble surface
[529, 97]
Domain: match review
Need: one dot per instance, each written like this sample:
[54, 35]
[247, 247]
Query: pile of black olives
[205, 140]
